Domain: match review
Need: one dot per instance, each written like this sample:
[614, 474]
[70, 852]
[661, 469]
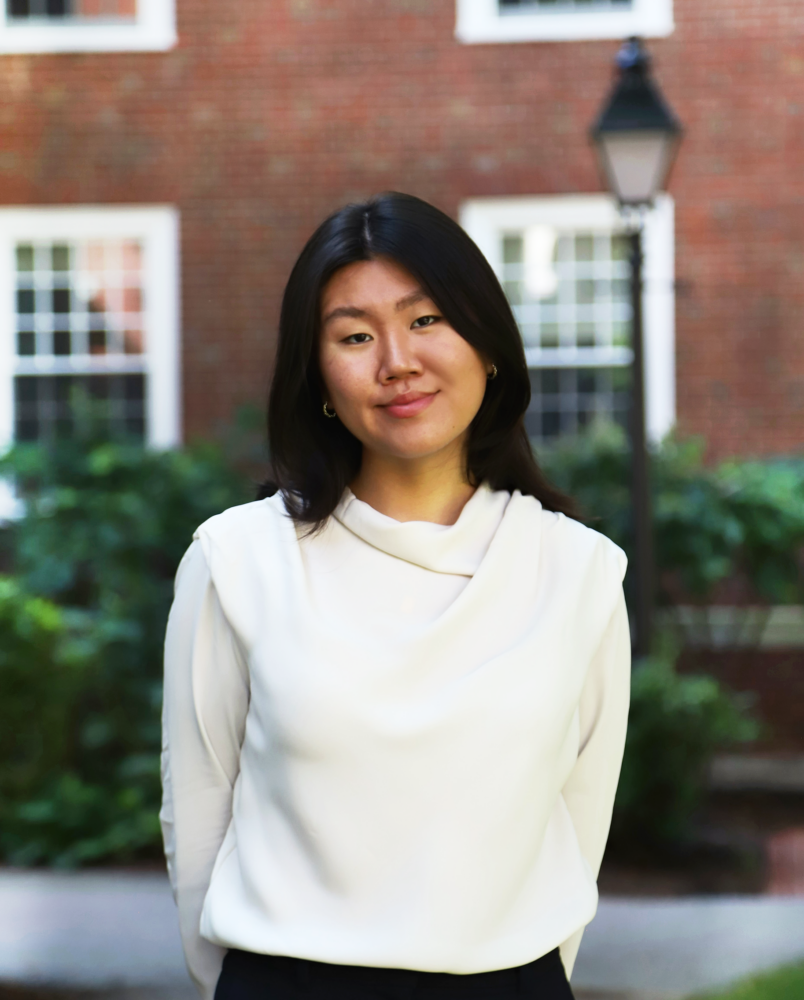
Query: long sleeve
[206, 695]
[589, 791]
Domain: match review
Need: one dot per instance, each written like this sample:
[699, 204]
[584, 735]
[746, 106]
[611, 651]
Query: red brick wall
[269, 115]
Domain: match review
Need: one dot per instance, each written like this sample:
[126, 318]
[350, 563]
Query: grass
[786, 983]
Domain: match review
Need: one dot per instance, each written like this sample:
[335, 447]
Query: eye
[424, 321]
[357, 338]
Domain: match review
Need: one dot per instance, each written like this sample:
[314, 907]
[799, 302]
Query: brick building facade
[158, 180]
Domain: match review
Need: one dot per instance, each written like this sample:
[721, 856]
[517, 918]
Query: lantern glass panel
[637, 163]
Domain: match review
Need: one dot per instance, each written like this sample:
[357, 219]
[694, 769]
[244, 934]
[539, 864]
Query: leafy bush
[37, 682]
[674, 726]
[710, 524]
[80, 678]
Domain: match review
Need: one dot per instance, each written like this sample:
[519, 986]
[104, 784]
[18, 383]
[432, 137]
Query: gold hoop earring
[327, 412]
[492, 374]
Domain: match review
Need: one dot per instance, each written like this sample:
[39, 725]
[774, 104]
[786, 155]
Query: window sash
[152, 30]
[156, 230]
[489, 220]
[479, 21]
[67, 11]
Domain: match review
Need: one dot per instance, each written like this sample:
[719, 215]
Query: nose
[399, 359]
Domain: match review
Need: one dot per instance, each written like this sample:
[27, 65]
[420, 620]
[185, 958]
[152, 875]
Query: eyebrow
[355, 312]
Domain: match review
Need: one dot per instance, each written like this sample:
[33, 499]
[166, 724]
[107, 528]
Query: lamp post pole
[644, 569]
[636, 137]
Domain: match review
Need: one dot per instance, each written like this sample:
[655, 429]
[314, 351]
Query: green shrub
[104, 530]
[675, 724]
[709, 523]
[37, 686]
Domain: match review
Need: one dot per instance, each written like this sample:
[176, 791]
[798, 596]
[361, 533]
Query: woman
[396, 686]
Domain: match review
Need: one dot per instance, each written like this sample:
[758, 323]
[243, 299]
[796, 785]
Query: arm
[206, 696]
[589, 790]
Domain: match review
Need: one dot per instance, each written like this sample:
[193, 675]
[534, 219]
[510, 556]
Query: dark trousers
[246, 976]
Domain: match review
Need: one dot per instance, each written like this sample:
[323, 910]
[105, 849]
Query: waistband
[252, 968]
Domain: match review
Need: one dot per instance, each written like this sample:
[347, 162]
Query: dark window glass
[119, 10]
[61, 300]
[514, 5]
[60, 256]
[25, 257]
[565, 400]
[586, 380]
[549, 381]
[97, 341]
[550, 424]
[61, 342]
[50, 407]
[26, 343]
[25, 300]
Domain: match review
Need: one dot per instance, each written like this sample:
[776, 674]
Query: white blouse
[392, 744]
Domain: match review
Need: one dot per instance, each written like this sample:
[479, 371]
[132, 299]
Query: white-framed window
[563, 262]
[561, 20]
[87, 25]
[89, 323]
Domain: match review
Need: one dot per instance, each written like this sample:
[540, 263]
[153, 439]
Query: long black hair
[313, 458]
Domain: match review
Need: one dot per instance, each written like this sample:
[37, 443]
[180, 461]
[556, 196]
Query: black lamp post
[636, 138]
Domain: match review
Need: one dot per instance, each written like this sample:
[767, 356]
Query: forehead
[368, 284]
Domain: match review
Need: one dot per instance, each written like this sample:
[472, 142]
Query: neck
[433, 488]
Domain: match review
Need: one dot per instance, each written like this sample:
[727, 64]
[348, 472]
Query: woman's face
[400, 378]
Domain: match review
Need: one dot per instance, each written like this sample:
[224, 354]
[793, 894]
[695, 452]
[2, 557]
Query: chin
[412, 450]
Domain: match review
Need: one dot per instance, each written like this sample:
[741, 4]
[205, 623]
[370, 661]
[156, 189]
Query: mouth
[409, 404]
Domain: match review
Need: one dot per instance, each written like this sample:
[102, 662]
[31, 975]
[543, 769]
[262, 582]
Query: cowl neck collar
[457, 549]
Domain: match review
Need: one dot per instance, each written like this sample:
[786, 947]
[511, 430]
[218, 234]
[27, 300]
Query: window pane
[586, 308]
[584, 248]
[565, 400]
[87, 294]
[74, 10]
[50, 407]
[26, 343]
[579, 299]
[25, 257]
[512, 249]
[522, 6]
[78, 304]
[61, 257]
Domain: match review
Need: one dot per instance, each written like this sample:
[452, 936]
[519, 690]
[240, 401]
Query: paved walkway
[118, 931]
[685, 945]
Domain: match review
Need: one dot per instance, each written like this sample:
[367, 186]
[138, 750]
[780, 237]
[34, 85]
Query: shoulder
[572, 541]
[243, 524]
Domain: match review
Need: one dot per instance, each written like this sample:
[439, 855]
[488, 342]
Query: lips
[409, 404]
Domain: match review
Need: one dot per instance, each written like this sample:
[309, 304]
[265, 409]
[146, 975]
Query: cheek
[346, 379]
[463, 367]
